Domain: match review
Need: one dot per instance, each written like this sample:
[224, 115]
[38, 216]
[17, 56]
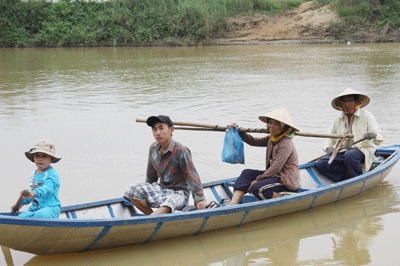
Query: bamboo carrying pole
[205, 127]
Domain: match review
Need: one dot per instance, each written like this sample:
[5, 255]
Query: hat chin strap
[352, 111]
[280, 135]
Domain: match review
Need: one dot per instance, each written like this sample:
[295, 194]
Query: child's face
[42, 161]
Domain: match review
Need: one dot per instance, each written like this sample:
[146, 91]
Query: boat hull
[115, 222]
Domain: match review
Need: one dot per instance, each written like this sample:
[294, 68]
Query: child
[44, 183]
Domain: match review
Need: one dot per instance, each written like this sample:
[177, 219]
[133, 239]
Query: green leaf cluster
[366, 13]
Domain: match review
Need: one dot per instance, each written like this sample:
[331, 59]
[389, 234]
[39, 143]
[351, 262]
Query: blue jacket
[46, 186]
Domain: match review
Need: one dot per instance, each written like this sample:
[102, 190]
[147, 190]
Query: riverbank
[310, 23]
[81, 23]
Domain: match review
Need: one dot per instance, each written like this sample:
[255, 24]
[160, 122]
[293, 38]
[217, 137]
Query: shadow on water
[350, 226]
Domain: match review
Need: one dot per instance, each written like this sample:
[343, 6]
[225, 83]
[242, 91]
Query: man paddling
[171, 164]
[356, 159]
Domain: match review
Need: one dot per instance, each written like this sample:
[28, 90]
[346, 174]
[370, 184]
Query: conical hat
[281, 115]
[336, 103]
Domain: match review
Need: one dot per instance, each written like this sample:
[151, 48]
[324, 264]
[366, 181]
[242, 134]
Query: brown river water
[86, 100]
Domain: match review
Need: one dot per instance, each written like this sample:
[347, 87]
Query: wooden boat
[352, 217]
[115, 222]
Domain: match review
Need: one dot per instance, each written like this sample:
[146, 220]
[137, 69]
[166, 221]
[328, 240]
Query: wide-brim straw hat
[281, 115]
[43, 146]
[337, 104]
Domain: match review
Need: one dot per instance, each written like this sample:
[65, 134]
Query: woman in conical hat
[282, 168]
[287, 123]
[352, 160]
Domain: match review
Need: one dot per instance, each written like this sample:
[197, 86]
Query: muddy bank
[307, 24]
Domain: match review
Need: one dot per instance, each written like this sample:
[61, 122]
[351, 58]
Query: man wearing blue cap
[171, 164]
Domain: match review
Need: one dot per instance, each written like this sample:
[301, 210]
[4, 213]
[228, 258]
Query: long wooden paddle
[322, 156]
[7, 255]
[338, 148]
[388, 158]
[18, 205]
[205, 127]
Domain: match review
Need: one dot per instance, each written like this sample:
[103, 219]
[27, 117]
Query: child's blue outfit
[46, 203]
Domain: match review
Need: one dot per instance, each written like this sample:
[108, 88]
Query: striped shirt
[175, 169]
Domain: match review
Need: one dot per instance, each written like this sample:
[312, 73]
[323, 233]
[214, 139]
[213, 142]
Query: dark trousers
[350, 160]
[263, 189]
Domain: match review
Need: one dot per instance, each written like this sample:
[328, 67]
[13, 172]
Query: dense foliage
[121, 22]
[142, 22]
[365, 14]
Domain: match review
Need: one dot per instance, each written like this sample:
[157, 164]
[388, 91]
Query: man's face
[348, 104]
[161, 132]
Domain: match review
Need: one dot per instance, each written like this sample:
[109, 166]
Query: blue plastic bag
[233, 151]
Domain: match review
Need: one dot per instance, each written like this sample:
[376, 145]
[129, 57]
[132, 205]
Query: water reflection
[353, 244]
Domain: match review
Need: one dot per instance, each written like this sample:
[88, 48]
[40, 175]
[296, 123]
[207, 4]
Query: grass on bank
[122, 22]
[364, 14]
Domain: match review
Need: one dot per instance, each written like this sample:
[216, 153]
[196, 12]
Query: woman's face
[274, 127]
